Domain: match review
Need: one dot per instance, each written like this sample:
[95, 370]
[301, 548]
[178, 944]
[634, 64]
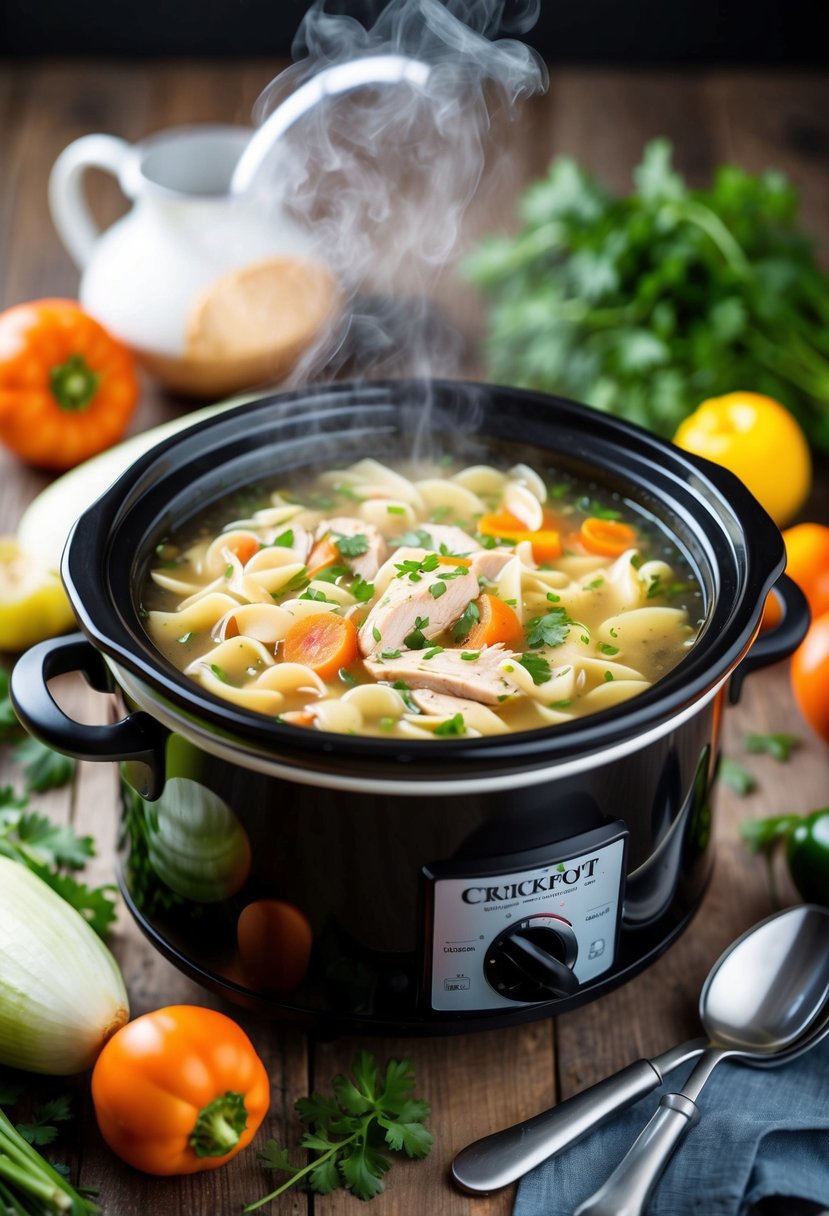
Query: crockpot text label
[529, 886]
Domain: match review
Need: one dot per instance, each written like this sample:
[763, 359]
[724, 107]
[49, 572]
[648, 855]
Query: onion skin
[62, 995]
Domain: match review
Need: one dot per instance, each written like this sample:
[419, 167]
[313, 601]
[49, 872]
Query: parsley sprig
[643, 305]
[352, 1132]
[551, 629]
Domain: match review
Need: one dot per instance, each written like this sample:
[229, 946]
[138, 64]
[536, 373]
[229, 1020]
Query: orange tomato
[807, 562]
[274, 940]
[179, 1090]
[67, 388]
[810, 675]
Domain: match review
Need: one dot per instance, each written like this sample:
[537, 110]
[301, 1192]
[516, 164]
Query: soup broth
[424, 602]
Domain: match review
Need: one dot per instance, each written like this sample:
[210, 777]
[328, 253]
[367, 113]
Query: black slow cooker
[449, 885]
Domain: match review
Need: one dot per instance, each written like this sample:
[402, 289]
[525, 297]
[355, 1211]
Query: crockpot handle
[137, 739]
[780, 641]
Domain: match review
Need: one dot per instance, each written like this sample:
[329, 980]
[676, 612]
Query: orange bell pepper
[67, 388]
[179, 1090]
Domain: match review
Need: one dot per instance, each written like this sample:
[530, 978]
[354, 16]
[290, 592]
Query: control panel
[527, 928]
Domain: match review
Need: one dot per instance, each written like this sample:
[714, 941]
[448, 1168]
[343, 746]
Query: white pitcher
[182, 242]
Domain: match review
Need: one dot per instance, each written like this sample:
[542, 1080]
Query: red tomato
[810, 675]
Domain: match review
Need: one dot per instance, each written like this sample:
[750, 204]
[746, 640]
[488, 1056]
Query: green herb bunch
[352, 1132]
[646, 305]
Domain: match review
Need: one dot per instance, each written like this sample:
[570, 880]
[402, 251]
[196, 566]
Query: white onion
[61, 991]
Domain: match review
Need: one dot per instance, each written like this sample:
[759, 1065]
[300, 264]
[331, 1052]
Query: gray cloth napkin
[761, 1132]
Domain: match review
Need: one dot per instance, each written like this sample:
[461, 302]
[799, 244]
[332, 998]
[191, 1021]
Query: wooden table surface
[479, 1082]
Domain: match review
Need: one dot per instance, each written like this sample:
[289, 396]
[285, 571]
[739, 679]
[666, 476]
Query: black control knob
[533, 960]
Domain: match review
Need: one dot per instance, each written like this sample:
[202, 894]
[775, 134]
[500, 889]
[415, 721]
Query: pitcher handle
[67, 201]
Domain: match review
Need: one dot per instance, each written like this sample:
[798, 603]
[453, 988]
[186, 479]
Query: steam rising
[383, 176]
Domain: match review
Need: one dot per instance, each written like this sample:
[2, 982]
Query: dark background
[627, 32]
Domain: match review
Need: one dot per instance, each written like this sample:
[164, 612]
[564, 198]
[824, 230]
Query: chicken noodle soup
[429, 606]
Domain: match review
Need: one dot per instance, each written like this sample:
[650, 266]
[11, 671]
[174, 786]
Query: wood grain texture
[475, 1083]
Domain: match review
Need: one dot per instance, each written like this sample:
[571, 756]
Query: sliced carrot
[497, 623]
[324, 553]
[298, 717]
[323, 641]
[445, 560]
[546, 541]
[608, 537]
[245, 547]
[502, 524]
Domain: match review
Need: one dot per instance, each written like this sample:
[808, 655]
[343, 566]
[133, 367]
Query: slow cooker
[451, 885]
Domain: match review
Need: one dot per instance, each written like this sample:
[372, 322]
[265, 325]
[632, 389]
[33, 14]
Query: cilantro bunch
[352, 1132]
[646, 305]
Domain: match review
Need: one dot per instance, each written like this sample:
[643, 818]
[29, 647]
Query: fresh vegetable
[178, 1090]
[759, 440]
[33, 603]
[275, 940]
[67, 388]
[810, 675]
[545, 541]
[646, 305]
[54, 853]
[609, 537]
[324, 553]
[61, 992]
[805, 840]
[777, 745]
[352, 1132]
[497, 622]
[738, 779]
[29, 1185]
[807, 562]
[323, 641]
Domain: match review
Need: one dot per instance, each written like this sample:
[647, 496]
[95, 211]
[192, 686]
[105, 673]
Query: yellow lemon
[757, 439]
[33, 603]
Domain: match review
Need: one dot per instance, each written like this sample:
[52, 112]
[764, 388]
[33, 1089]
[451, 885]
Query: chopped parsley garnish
[419, 539]
[352, 546]
[655, 587]
[346, 677]
[313, 593]
[376, 634]
[403, 688]
[185, 638]
[452, 726]
[437, 590]
[391, 509]
[416, 640]
[463, 626]
[330, 574]
[346, 491]
[550, 629]
[219, 673]
[430, 654]
[608, 676]
[469, 656]
[538, 667]
[415, 567]
[285, 540]
[362, 590]
[606, 648]
[229, 570]
[300, 579]
[594, 585]
[389, 654]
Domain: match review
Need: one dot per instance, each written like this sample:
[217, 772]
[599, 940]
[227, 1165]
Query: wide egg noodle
[199, 615]
[441, 492]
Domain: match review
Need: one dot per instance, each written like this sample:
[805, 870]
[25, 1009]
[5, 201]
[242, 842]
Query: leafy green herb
[538, 667]
[548, 630]
[415, 567]
[608, 677]
[330, 574]
[416, 640]
[229, 570]
[392, 509]
[419, 539]
[345, 677]
[780, 747]
[352, 546]
[606, 648]
[430, 654]
[645, 305]
[298, 580]
[737, 778]
[469, 656]
[389, 654]
[219, 672]
[469, 617]
[376, 634]
[185, 638]
[452, 726]
[43, 769]
[285, 540]
[437, 589]
[361, 590]
[316, 594]
[30, 1185]
[352, 1132]
[405, 692]
[346, 491]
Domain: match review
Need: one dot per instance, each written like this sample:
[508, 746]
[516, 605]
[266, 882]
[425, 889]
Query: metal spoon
[766, 1007]
[748, 970]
